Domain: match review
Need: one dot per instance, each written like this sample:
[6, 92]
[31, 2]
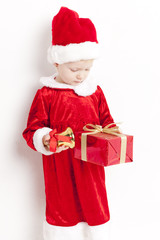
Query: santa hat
[73, 38]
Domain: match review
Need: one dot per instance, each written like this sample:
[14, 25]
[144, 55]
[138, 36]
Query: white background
[129, 73]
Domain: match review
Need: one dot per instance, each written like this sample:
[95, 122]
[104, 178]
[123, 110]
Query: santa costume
[76, 197]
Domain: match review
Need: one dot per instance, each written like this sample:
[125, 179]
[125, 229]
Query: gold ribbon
[107, 129]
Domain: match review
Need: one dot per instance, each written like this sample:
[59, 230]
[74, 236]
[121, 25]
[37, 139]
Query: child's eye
[73, 70]
[87, 69]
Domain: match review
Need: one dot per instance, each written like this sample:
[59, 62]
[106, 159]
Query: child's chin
[77, 82]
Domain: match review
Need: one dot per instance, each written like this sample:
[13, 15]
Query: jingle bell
[66, 138]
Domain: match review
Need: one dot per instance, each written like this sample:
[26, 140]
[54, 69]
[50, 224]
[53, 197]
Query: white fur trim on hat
[73, 52]
[37, 140]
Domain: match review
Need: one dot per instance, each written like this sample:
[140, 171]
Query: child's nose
[79, 76]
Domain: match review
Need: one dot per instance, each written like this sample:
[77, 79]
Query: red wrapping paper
[103, 149]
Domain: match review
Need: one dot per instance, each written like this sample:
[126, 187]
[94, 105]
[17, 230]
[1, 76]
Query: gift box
[102, 148]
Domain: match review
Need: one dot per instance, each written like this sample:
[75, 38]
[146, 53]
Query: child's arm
[38, 121]
[104, 112]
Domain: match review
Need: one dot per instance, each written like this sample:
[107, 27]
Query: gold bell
[68, 132]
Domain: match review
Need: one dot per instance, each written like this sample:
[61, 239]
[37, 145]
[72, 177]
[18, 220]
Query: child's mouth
[78, 81]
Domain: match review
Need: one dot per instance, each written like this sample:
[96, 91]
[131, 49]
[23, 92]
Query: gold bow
[107, 129]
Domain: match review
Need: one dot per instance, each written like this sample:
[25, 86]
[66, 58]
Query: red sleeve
[38, 115]
[104, 112]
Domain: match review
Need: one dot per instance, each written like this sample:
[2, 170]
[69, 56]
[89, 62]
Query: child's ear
[55, 64]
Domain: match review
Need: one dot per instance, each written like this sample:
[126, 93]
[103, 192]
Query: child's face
[73, 73]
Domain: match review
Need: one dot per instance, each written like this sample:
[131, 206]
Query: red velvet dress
[75, 190]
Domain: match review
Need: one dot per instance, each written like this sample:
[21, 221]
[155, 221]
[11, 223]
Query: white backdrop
[128, 71]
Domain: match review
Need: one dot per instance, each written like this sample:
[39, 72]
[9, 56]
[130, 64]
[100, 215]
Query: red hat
[73, 38]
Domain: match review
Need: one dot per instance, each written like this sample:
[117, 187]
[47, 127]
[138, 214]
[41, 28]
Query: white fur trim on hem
[81, 231]
[37, 140]
[72, 52]
[86, 88]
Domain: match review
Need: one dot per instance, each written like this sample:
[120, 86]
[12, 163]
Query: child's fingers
[64, 147]
[120, 130]
[61, 148]
[47, 137]
[46, 141]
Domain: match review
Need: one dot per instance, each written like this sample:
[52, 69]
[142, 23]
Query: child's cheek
[86, 74]
[74, 75]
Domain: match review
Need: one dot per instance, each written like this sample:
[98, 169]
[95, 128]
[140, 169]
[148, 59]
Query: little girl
[76, 198]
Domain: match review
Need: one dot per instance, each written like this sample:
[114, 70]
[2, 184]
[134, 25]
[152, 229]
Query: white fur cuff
[37, 140]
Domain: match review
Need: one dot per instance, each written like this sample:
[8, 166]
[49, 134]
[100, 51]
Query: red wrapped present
[103, 146]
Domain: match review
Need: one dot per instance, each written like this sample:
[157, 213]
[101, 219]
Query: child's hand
[46, 143]
[119, 130]
[61, 148]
